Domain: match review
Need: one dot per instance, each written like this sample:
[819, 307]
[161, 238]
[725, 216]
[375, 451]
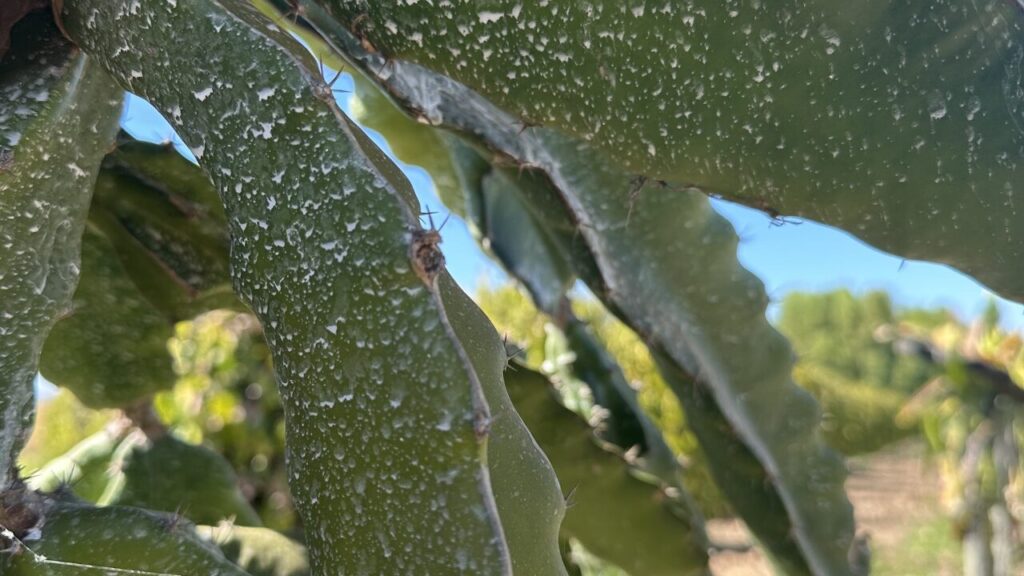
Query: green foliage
[971, 418]
[527, 250]
[931, 548]
[510, 230]
[512, 312]
[836, 330]
[696, 324]
[588, 564]
[363, 327]
[164, 220]
[516, 317]
[927, 319]
[857, 418]
[61, 423]
[155, 252]
[225, 397]
[84, 469]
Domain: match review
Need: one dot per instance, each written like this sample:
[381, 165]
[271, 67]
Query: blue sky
[803, 256]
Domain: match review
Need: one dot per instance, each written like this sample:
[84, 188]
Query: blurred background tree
[835, 331]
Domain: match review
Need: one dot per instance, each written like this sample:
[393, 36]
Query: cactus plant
[155, 252]
[258, 551]
[616, 218]
[83, 469]
[874, 118]
[606, 497]
[414, 444]
[166, 474]
[126, 540]
[110, 349]
[58, 112]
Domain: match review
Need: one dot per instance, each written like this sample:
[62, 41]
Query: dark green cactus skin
[167, 224]
[541, 262]
[612, 513]
[541, 258]
[156, 252]
[81, 540]
[526, 488]
[168, 475]
[386, 418]
[713, 328]
[900, 123]
[527, 251]
[688, 298]
[111, 349]
[58, 113]
[538, 252]
[258, 551]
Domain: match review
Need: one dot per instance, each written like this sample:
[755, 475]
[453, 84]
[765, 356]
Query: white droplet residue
[445, 424]
[936, 106]
[265, 93]
[203, 94]
[488, 17]
[76, 170]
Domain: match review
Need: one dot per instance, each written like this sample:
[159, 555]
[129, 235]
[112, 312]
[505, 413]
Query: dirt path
[892, 492]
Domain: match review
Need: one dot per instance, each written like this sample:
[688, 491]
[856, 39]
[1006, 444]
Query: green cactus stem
[58, 114]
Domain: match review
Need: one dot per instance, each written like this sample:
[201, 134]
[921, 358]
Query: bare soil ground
[892, 491]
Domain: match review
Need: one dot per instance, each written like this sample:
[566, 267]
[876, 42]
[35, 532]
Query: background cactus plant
[416, 443]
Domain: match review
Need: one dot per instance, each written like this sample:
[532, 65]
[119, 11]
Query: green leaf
[900, 123]
[613, 514]
[168, 475]
[858, 418]
[81, 540]
[258, 551]
[58, 112]
[386, 420]
[111, 348]
[662, 260]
